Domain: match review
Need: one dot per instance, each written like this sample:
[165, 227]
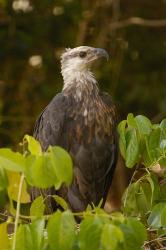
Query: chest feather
[92, 118]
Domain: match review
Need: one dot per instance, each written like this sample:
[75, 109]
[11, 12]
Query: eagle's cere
[82, 120]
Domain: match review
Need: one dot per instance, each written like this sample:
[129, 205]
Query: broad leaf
[110, 237]
[148, 194]
[33, 145]
[40, 172]
[134, 234]
[4, 240]
[37, 207]
[11, 160]
[13, 188]
[122, 139]
[60, 201]
[117, 217]
[143, 124]
[163, 124]
[24, 239]
[153, 150]
[37, 234]
[157, 216]
[90, 233]
[52, 168]
[155, 188]
[131, 121]
[30, 237]
[130, 205]
[132, 152]
[143, 198]
[61, 231]
[3, 179]
[62, 163]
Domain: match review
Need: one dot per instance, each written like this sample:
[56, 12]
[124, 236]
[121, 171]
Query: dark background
[33, 34]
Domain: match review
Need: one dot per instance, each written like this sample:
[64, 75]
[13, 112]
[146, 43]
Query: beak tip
[103, 53]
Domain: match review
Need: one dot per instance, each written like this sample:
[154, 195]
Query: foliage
[140, 223]
[140, 141]
[33, 34]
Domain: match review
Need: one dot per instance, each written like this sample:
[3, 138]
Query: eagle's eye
[82, 54]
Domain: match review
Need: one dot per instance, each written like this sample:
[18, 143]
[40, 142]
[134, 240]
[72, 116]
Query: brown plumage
[82, 120]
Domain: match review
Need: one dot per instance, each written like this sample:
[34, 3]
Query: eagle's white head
[76, 62]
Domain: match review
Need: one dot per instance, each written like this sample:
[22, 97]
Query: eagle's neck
[90, 111]
[80, 84]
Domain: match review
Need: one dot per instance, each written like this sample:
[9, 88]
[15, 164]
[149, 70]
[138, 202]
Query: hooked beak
[100, 53]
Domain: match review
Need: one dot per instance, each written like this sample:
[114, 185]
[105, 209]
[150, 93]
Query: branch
[138, 21]
[17, 211]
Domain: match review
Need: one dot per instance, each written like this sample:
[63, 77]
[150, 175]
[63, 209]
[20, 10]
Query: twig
[138, 21]
[132, 178]
[17, 211]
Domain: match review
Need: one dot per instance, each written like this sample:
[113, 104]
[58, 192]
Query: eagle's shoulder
[59, 101]
[107, 99]
[50, 122]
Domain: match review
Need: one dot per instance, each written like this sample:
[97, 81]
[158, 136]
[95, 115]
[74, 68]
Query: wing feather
[94, 162]
[49, 131]
[49, 126]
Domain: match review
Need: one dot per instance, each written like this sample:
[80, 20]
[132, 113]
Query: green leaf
[30, 161]
[110, 237]
[129, 199]
[143, 124]
[131, 121]
[122, 139]
[61, 231]
[37, 233]
[117, 217]
[4, 240]
[154, 139]
[143, 198]
[90, 233]
[132, 152]
[34, 146]
[13, 188]
[30, 237]
[162, 162]
[163, 123]
[156, 218]
[62, 163]
[152, 146]
[3, 199]
[12, 161]
[141, 195]
[60, 201]
[163, 144]
[12, 209]
[148, 194]
[40, 172]
[134, 234]
[163, 217]
[3, 179]
[52, 168]
[37, 207]
[162, 190]
[23, 238]
[153, 181]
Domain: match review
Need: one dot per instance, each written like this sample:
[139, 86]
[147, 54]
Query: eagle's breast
[89, 114]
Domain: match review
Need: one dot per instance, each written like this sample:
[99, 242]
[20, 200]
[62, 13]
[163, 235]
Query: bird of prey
[82, 120]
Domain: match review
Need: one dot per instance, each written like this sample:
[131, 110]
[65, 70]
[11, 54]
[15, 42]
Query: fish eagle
[82, 120]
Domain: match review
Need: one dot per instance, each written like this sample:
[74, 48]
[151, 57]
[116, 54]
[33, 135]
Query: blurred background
[33, 34]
